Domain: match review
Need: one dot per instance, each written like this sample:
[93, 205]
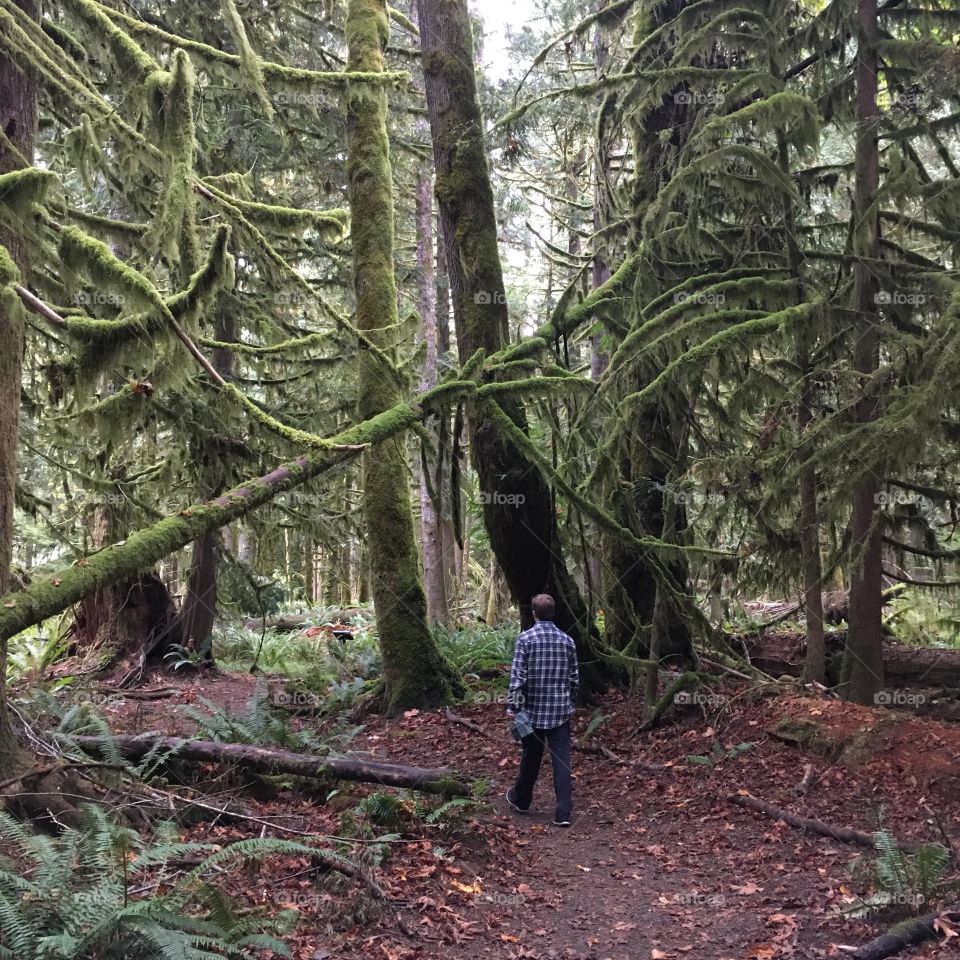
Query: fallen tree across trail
[265, 760]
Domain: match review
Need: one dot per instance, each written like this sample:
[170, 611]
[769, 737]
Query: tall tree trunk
[815, 661]
[431, 514]
[651, 441]
[200, 603]
[18, 118]
[518, 509]
[415, 673]
[451, 551]
[863, 664]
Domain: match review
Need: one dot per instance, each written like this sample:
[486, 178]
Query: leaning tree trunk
[18, 118]
[518, 508]
[863, 666]
[415, 673]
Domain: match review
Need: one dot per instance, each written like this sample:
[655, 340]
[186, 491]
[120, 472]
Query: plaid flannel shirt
[545, 675]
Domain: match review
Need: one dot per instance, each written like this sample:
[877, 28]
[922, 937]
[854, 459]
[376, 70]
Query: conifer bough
[50, 595]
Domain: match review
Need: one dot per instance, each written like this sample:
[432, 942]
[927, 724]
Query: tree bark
[415, 674]
[271, 761]
[863, 666]
[199, 608]
[18, 119]
[431, 514]
[518, 508]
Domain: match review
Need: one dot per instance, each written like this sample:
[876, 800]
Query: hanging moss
[279, 75]
[169, 97]
[251, 66]
[134, 63]
[59, 76]
[20, 190]
[712, 345]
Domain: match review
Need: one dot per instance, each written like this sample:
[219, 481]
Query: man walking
[543, 685]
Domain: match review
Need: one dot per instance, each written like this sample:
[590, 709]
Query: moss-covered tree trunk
[414, 672]
[651, 442]
[18, 120]
[863, 663]
[808, 527]
[518, 508]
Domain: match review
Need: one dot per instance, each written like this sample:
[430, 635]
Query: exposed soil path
[658, 863]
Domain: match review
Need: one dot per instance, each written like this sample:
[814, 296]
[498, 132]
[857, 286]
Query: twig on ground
[845, 834]
[464, 722]
[804, 785]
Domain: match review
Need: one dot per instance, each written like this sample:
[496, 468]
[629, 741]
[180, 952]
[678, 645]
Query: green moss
[21, 189]
[9, 271]
[134, 63]
[415, 673]
[251, 66]
[284, 220]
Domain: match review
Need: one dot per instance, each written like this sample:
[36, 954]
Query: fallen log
[294, 621]
[907, 934]
[442, 780]
[903, 666]
[845, 834]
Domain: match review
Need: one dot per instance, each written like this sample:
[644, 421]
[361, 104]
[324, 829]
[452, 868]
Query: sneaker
[561, 823]
[514, 804]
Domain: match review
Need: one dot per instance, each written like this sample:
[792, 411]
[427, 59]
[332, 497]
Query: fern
[68, 898]
[459, 805]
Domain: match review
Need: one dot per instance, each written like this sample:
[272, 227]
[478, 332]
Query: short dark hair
[544, 606]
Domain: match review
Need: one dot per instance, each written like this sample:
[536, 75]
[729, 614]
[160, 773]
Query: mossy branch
[47, 596]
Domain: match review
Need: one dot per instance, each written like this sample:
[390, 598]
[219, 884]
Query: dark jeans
[558, 739]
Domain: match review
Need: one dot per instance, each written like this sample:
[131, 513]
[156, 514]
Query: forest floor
[658, 864]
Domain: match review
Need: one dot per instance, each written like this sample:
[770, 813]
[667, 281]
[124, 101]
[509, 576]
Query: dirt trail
[657, 865]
